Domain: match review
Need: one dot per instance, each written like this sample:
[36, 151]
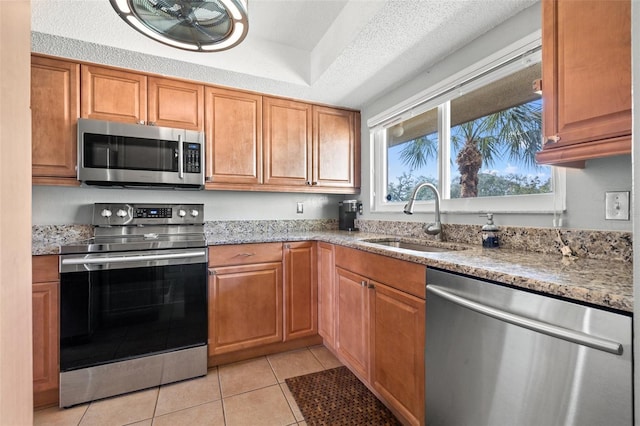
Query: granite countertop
[599, 282]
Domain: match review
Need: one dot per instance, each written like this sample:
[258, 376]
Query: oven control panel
[120, 214]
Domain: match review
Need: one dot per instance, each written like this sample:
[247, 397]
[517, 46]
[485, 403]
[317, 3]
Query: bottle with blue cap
[490, 233]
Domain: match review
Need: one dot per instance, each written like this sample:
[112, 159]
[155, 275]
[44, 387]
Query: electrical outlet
[617, 205]
[300, 208]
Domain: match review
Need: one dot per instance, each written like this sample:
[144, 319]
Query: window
[474, 137]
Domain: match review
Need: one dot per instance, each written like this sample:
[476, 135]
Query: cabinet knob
[363, 283]
[371, 286]
[212, 271]
[308, 183]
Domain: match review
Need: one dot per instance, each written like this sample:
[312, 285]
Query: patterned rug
[337, 397]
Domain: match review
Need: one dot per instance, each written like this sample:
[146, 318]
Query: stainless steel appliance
[133, 301]
[347, 212]
[500, 356]
[121, 154]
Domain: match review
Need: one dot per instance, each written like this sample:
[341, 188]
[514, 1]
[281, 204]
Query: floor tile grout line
[289, 403]
[224, 414]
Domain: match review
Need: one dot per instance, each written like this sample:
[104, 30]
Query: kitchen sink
[415, 246]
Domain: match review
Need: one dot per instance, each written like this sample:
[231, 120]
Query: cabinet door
[114, 95]
[326, 293]
[55, 108]
[174, 103]
[352, 335]
[398, 321]
[335, 151]
[586, 71]
[287, 134]
[300, 290]
[245, 306]
[233, 126]
[45, 342]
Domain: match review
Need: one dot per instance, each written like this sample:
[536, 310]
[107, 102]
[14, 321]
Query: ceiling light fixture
[198, 26]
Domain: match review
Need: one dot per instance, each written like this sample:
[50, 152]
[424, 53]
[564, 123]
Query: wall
[16, 363]
[73, 205]
[585, 187]
[635, 65]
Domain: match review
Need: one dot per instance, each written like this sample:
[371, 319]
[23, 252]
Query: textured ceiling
[340, 52]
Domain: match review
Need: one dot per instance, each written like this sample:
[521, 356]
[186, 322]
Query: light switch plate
[300, 208]
[617, 205]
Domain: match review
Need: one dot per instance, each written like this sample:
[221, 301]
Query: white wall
[16, 360]
[585, 187]
[54, 205]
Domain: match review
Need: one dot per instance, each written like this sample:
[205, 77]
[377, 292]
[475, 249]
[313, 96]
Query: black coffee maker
[347, 211]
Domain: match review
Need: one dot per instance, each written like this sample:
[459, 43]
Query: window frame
[504, 62]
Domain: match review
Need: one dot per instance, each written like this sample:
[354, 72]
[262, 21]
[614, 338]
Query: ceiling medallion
[198, 26]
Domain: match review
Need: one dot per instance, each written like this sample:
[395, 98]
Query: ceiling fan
[196, 25]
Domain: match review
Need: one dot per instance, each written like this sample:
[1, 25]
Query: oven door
[124, 305]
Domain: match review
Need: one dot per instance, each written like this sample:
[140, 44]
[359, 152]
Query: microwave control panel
[192, 157]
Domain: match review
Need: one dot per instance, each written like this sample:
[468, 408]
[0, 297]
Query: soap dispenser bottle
[490, 233]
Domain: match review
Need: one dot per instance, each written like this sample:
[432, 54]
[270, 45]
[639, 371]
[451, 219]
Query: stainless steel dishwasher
[500, 356]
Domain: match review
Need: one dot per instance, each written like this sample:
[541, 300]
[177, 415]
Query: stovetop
[137, 227]
[135, 243]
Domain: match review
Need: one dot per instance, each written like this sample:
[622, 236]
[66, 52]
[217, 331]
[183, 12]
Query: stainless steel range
[133, 301]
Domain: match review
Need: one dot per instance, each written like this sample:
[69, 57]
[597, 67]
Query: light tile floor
[246, 393]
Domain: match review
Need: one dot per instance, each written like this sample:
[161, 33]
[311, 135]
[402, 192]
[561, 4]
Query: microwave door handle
[180, 158]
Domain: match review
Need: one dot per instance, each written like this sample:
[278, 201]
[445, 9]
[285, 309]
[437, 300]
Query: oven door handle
[136, 258]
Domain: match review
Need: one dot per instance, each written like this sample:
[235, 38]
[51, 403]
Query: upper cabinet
[174, 103]
[287, 142]
[109, 94]
[55, 108]
[336, 148]
[128, 97]
[586, 73]
[233, 137]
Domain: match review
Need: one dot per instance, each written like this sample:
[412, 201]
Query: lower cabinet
[380, 329]
[245, 306]
[261, 295]
[45, 293]
[300, 290]
[326, 292]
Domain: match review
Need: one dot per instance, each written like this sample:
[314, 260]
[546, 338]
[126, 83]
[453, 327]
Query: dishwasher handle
[529, 323]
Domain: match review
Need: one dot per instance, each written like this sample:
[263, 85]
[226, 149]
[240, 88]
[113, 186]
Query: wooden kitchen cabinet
[233, 133]
[352, 329]
[397, 350]
[336, 148]
[114, 95]
[326, 293]
[300, 290]
[55, 108]
[174, 103]
[245, 296]
[380, 330]
[45, 311]
[287, 137]
[586, 73]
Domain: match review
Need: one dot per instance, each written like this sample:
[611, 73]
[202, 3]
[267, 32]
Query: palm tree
[514, 133]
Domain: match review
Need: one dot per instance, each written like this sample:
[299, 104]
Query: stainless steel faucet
[430, 228]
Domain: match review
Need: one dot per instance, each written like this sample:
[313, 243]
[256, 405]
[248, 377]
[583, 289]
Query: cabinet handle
[314, 183]
[552, 139]
[141, 122]
[151, 123]
[308, 183]
[245, 254]
[287, 246]
[363, 283]
[371, 286]
[212, 272]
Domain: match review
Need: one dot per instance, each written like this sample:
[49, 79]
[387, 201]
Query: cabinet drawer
[44, 268]
[244, 254]
[402, 275]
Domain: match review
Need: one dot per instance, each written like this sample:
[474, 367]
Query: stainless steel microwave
[136, 155]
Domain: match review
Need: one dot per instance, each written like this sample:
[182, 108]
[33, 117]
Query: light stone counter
[599, 282]
[603, 283]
